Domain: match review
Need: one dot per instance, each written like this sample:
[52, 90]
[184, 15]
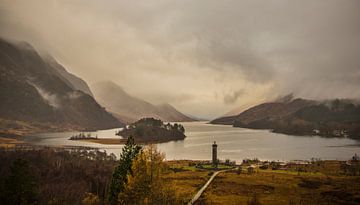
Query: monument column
[214, 154]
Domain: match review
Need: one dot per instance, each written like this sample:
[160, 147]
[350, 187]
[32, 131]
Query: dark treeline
[54, 176]
[38, 175]
[82, 136]
[153, 130]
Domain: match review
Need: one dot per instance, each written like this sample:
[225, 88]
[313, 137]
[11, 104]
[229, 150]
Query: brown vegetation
[63, 176]
[82, 176]
[279, 187]
[9, 142]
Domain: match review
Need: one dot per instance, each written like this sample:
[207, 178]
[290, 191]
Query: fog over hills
[70, 79]
[129, 109]
[179, 102]
[43, 94]
[204, 57]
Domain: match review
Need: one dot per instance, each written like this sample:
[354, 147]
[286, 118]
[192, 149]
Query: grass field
[320, 186]
[186, 180]
[279, 187]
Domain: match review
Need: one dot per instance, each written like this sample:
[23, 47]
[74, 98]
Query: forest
[38, 175]
[54, 175]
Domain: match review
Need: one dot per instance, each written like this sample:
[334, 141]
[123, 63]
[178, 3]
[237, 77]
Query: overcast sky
[205, 57]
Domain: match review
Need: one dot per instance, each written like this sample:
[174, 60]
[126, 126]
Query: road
[198, 194]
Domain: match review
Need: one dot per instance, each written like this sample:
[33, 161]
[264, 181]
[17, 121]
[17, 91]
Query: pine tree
[20, 185]
[119, 177]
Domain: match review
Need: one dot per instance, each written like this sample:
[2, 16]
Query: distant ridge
[331, 118]
[271, 110]
[130, 109]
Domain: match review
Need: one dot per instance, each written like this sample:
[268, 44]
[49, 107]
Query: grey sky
[204, 57]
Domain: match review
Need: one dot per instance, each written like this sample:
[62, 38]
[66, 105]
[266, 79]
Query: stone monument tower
[214, 154]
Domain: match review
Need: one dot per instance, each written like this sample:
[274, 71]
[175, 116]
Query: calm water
[233, 143]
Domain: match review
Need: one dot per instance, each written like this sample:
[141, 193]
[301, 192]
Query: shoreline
[13, 145]
[6, 142]
[23, 145]
[290, 133]
[120, 141]
[105, 141]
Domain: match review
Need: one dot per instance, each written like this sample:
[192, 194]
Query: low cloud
[51, 99]
[163, 49]
[231, 98]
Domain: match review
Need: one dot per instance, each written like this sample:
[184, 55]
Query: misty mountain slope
[331, 118]
[270, 110]
[131, 109]
[169, 113]
[274, 110]
[32, 90]
[70, 79]
[116, 100]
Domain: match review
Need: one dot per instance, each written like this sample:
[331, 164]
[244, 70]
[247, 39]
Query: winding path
[198, 194]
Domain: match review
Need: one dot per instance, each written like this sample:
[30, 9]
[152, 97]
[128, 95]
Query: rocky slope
[130, 109]
[36, 91]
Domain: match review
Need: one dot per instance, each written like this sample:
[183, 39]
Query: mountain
[330, 118]
[271, 110]
[39, 92]
[170, 114]
[130, 109]
[71, 80]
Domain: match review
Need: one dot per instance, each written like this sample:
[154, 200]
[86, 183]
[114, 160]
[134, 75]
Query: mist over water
[233, 143]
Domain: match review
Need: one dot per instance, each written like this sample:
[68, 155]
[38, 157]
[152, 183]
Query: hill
[71, 80]
[271, 110]
[41, 93]
[332, 118]
[130, 109]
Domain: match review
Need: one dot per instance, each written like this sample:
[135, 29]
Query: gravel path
[198, 194]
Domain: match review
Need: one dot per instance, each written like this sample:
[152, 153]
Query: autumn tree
[145, 184]
[90, 199]
[119, 176]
